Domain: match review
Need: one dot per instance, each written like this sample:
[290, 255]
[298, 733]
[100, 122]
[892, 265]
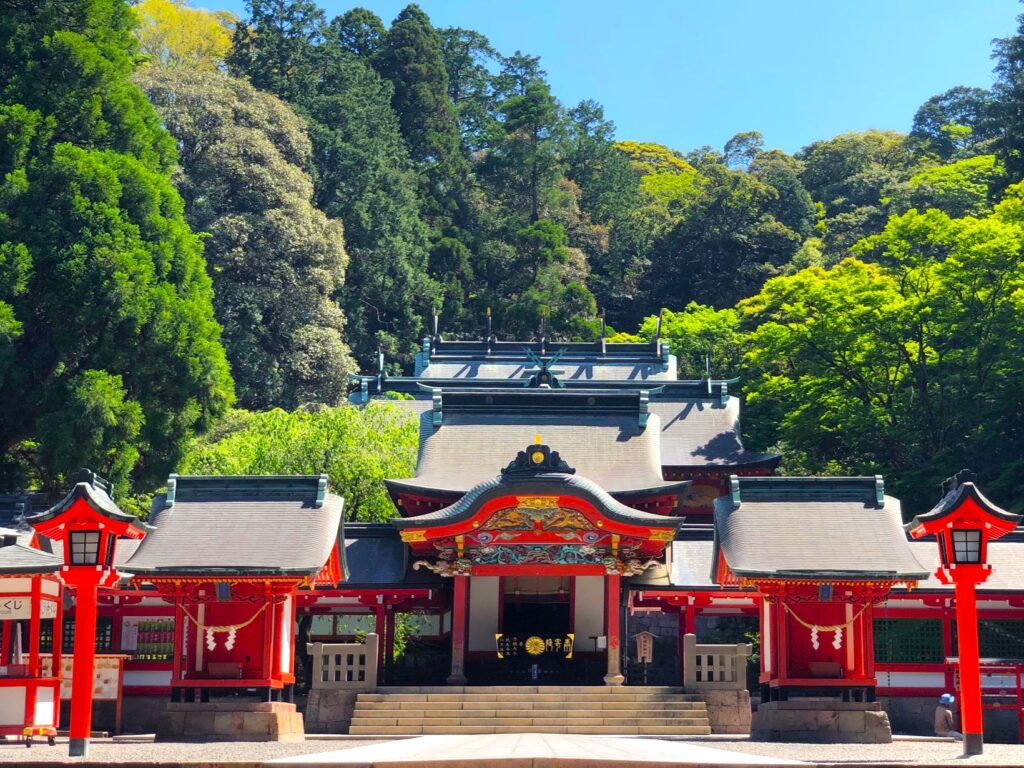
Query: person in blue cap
[944, 717]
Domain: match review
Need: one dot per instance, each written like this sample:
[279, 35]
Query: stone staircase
[619, 711]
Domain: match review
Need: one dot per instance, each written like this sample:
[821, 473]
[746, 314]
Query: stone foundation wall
[230, 721]
[330, 711]
[728, 711]
[821, 722]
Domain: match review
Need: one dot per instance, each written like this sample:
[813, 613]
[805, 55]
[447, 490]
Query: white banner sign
[21, 608]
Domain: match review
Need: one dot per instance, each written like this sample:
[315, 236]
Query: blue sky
[689, 73]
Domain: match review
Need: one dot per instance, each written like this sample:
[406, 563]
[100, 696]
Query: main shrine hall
[578, 518]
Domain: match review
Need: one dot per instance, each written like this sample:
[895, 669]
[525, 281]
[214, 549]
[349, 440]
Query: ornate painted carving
[460, 567]
[631, 567]
[536, 512]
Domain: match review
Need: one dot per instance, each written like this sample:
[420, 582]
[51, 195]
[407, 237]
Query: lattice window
[908, 641]
[1000, 639]
[104, 635]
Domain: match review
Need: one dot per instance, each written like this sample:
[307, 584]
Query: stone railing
[714, 667]
[344, 666]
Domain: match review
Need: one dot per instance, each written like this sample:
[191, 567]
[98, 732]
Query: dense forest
[207, 223]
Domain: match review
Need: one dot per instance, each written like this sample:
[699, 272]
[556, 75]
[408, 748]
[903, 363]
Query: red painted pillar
[459, 607]
[970, 672]
[380, 627]
[611, 618]
[36, 606]
[389, 645]
[85, 661]
[57, 649]
[5, 643]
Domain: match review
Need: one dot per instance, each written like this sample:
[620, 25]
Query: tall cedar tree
[109, 353]
[273, 47]
[243, 157]
[363, 174]
[410, 57]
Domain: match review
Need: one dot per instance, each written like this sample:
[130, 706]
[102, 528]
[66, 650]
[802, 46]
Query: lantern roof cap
[97, 494]
[956, 491]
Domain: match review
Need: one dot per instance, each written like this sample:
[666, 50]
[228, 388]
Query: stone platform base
[330, 711]
[823, 721]
[230, 721]
[728, 711]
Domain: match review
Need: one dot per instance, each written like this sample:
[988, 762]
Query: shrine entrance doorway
[536, 605]
[531, 629]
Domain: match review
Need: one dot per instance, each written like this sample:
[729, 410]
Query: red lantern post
[88, 524]
[963, 522]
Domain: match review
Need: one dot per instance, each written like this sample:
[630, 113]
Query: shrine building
[577, 517]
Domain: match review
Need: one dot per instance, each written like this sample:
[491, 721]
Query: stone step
[526, 705]
[531, 689]
[455, 697]
[626, 730]
[648, 711]
[528, 712]
[530, 721]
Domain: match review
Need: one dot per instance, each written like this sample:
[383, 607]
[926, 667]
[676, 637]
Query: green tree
[910, 366]
[109, 352]
[357, 447]
[523, 166]
[1009, 96]
[937, 120]
[410, 57]
[703, 339]
[742, 148]
[243, 155]
[961, 188]
[275, 45]
[468, 58]
[724, 246]
[358, 31]
[852, 176]
[539, 287]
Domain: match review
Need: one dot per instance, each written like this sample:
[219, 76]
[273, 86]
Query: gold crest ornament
[534, 646]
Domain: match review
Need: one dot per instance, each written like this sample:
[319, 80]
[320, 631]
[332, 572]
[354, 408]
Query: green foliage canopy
[109, 352]
[243, 158]
[357, 447]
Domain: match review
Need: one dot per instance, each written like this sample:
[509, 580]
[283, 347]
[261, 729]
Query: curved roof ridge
[507, 485]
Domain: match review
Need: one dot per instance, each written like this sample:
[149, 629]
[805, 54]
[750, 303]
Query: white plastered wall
[588, 620]
[484, 606]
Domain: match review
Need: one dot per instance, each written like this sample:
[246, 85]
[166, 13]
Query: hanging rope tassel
[837, 640]
[231, 629]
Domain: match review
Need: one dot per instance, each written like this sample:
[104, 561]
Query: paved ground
[533, 750]
[426, 752]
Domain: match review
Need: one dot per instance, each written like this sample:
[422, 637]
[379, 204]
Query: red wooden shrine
[30, 592]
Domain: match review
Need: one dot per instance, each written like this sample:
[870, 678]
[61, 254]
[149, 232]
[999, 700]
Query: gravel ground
[909, 752]
[107, 752]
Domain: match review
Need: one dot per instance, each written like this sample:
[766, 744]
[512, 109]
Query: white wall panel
[484, 606]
